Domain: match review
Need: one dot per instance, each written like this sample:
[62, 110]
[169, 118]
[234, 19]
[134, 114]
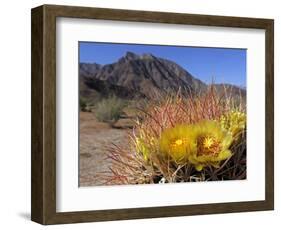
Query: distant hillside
[140, 76]
[230, 89]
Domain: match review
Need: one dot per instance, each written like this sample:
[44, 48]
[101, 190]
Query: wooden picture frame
[43, 189]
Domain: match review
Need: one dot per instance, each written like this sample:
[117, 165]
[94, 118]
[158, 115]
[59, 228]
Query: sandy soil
[94, 136]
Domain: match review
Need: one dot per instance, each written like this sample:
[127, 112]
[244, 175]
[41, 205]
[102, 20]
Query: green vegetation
[109, 109]
[83, 104]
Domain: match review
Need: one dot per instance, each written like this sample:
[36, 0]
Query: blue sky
[221, 64]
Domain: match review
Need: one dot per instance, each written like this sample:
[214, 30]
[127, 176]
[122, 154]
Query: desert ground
[94, 137]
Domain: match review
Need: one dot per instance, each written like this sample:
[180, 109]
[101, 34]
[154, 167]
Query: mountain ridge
[142, 75]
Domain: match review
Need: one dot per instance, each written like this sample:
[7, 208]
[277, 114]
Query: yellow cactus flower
[144, 145]
[178, 142]
[212, 144]
[141, 148]
[235, 122]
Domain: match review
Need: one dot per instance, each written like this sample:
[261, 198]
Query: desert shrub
[180, 139]
[109, 109]
[82, 104]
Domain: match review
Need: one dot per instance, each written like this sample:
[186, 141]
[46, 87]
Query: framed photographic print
[141, 114]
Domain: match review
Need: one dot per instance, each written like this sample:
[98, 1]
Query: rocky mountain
[231, 89]
[87, 70]
[137, 76]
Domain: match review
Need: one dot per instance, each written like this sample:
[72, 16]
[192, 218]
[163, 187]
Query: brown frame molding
[43, 157]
